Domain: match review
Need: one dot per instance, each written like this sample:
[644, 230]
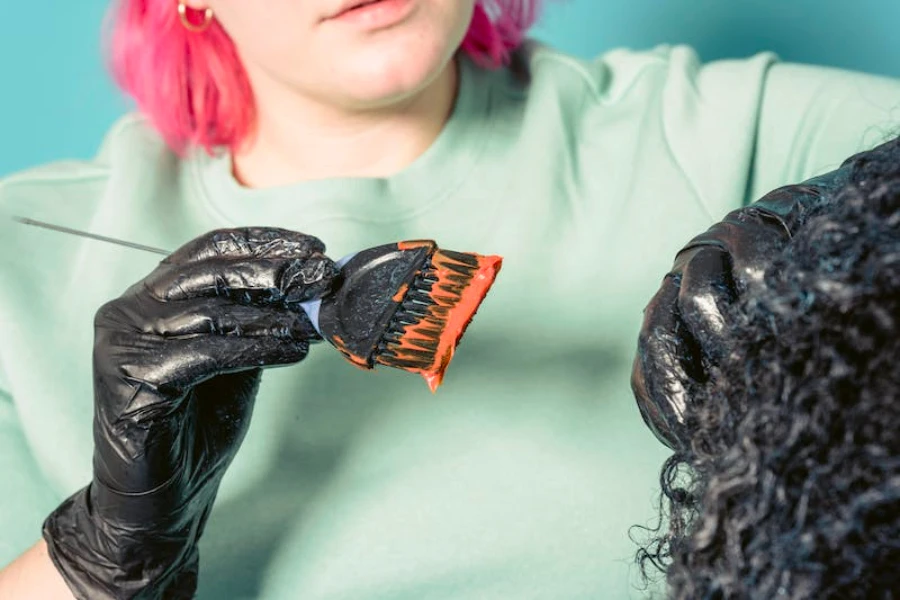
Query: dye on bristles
[435, 312]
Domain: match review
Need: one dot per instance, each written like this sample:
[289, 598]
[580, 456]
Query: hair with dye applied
[194, 90]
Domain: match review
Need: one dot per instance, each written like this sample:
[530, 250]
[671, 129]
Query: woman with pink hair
[364, 123]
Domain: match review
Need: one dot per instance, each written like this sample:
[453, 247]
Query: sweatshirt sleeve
[25, 497]
[813, 118]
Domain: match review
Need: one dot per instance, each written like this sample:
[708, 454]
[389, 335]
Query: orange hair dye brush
[405, 305]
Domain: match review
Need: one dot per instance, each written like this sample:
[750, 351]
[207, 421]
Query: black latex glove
[177, 364]
[682, 330]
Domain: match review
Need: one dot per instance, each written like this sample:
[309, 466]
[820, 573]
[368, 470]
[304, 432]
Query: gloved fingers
[196, 360]
[789, 203]
[211, 316]
[753, 250]
[707, 289]
[247, 281]
[665, 350]
[151, 392]
[129, 332]
[146, 379]
[247, 242]
[752, 236]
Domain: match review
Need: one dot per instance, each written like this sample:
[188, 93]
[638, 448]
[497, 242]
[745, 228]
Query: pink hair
[192, 86]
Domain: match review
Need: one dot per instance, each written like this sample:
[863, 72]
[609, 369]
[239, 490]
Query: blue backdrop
[56, 102]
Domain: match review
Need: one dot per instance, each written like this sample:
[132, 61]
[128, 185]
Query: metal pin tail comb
[404, 305]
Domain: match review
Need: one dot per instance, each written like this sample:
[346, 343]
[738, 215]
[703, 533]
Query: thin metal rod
[93, 236]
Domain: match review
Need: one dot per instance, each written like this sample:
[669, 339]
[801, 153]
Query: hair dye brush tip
[407, 306]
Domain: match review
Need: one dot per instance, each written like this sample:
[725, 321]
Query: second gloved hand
[682, 333]
[177, 364]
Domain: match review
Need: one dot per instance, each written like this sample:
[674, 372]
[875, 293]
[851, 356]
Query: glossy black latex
[681, 332]
[177, 364]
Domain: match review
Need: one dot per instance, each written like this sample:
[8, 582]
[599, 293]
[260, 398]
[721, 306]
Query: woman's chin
[380, 83]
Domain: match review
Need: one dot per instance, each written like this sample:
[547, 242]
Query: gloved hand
[681, 336]
[177, 364]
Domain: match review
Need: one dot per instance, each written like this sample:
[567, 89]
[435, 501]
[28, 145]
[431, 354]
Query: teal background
[56, 102]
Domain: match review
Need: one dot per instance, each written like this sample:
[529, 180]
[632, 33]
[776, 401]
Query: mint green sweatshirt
[523, 475]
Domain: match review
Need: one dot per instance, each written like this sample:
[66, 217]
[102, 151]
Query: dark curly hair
[790, 487]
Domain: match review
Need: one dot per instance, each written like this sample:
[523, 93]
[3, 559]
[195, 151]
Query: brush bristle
[435, 311]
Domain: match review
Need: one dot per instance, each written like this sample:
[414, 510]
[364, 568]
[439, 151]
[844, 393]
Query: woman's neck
[298, 139]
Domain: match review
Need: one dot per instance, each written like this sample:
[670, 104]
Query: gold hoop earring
[195, 27]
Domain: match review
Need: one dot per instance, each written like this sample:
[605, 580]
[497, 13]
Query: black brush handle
[369, 290]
